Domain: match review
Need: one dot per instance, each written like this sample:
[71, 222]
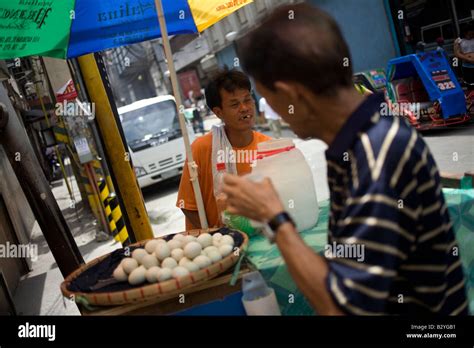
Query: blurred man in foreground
[385, 189]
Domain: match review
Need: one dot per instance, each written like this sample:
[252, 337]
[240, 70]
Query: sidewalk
[38, 292]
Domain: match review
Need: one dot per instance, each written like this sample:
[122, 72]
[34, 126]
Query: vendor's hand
[256, 201]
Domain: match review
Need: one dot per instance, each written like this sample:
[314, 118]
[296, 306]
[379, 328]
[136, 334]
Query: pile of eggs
[161, 260]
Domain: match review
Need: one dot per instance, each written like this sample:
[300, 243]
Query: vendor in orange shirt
[229, 97]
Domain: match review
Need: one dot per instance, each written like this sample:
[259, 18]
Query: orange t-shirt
[202, 153]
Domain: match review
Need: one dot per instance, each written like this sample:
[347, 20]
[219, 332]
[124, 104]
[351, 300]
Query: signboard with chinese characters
[33, 27]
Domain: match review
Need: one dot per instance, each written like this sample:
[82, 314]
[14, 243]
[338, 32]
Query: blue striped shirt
[386, 198]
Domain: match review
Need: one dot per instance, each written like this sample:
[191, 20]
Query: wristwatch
[271, 227]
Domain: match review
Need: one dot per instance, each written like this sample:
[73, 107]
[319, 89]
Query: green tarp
[35, 27]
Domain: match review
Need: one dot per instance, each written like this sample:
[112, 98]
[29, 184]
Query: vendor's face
[237, 109]
[290, 108]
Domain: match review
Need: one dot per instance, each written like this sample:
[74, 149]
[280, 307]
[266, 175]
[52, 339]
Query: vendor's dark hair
[230, 80]
[298, 43]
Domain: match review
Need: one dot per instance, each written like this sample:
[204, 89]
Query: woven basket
[152, 291]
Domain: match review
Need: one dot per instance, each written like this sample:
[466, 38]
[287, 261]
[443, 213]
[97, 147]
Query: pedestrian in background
[273, 119]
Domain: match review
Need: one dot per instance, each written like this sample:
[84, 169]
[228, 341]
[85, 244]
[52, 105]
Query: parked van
[154, 138]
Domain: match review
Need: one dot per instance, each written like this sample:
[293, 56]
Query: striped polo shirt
[387, 205]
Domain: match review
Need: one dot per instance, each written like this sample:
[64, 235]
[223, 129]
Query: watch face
[278, 220]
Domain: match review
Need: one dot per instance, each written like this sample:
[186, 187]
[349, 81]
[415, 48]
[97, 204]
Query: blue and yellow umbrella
[71, 28]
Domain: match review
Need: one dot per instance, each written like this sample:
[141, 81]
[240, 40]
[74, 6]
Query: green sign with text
[35, 27]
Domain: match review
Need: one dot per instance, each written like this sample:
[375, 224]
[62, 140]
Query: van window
[149, 121]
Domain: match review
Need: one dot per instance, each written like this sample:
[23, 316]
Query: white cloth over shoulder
[221, 148]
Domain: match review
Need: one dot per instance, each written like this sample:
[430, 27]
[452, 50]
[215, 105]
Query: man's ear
[218, 111]
[297, 94]
[287, 89]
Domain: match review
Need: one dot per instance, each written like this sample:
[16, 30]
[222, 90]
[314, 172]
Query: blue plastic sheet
[104, 24]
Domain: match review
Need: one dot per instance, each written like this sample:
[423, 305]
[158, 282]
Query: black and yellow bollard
[120, 228]
[104, 197]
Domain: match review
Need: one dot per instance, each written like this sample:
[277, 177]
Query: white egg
[152, 274]
[179, 272]
[205, 240]
[165, 274]
[192, 249]
[119, 274]
[188, 239]
[137, 276]
[169, 262]
[175, 244]
[225, 249]
[179, 237]
[216, 242]
[202, 261]
[177, 254]
[227, 240]
[210, 248]
[149, 261]
[217, 236]
[150, 246]
[139, 254]
[184, 261]
[191, 266]
[129, 264]
[215, 256]
[161, 241]
[162, 251]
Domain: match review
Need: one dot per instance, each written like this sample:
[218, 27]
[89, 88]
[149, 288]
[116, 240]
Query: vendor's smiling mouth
[245, 117]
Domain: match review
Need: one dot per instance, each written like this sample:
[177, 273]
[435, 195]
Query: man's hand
[256, 201]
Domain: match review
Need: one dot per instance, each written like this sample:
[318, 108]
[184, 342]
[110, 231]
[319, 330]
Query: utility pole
[115, 147]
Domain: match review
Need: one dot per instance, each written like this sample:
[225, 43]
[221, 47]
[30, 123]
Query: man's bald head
[298, 43]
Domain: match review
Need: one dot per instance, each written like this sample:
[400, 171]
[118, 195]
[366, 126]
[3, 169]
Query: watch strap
[278, 220]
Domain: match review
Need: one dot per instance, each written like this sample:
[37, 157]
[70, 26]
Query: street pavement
[453, 148]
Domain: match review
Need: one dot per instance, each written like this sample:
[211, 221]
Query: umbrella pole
[192, 166]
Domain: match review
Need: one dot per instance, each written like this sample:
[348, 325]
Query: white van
[154, 138]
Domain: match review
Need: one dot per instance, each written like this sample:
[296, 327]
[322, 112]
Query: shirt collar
[358, 121]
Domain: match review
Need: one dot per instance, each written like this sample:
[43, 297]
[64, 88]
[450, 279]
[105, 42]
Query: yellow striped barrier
[121, 230]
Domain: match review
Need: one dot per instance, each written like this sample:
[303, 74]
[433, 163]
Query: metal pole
[77, 78]
[115, 147]
[110, 177]
[93, 180]
[455, 18]
[37, 191]
[192, 166]
[56, 150]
